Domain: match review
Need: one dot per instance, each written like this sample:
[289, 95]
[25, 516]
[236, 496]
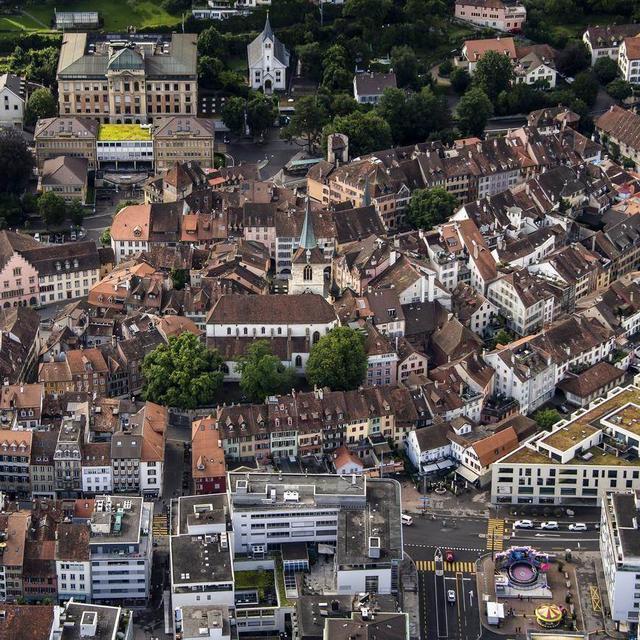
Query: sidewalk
[475, 503]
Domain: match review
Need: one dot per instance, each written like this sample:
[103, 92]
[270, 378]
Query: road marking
[460, 566]
[432, 546]
[495, 534]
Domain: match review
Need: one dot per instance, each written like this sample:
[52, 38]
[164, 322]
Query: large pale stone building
[128, 78]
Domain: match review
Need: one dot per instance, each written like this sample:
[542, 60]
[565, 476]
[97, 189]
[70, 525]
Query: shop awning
[467, 474]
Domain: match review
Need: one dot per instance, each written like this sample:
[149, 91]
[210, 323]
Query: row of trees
[258, 112]
[186, 374]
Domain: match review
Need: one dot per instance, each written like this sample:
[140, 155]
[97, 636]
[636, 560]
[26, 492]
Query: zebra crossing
[160, 525]
[450, 567]
[495, 534]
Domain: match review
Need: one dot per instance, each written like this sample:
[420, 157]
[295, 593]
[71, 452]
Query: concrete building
[629, 60]
[124, 146]
[183, 139]
[75, 620]
[66, 136]
[128, 78]
[66, 177]
[593, 451]
[505, 16]
[369, 86]
[620, 550]
[13, 99]
[606, 40]
[121, 549]
[361, 516]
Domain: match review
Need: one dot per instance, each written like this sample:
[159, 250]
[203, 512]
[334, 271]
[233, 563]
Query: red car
[448, 555]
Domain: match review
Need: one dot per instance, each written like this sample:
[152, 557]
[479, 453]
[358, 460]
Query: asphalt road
[275, 151]
[470, 538]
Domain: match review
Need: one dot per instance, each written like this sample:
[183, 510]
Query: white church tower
[268, 62]
[308, 263]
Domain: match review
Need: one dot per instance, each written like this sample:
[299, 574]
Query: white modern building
[592, 452]
[13, 98]
[124, 146]
[620, 550]
[358, 516]
[121, 549]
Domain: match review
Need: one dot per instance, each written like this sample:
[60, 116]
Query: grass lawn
[117, 15]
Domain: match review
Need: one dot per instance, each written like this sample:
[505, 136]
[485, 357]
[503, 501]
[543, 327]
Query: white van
[407, 520]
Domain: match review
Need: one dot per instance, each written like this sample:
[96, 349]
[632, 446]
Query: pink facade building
[18, 278]
[505, 16]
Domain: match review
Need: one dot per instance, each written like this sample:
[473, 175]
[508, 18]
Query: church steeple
[307, 237]
[267, 32]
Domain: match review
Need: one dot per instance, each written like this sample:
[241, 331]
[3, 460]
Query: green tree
[11, 210]
[503, 337]
[210, 72]
[179, 278]
[52, 209]
[262, 374]
[460, 80]
[261, 113]
[620, 89]
[573, 58]
[546, 418]
[429, 207]
[585, 87]
[336, 74]
[605, 69]
[343, 104]
[105, 237]
[367, 132]
[41, 104]
[473, 111]
[405, 65]
[308, 120]
[182, 373]
[338, 360]
[233, 114]
[493, 73]
[370, 14]
[75, 212]
[310, 56]
[210, 43]
[16, 161]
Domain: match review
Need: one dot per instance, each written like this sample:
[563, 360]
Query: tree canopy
[493, 73]
[605, 69]
[473, 111]
[261, 113]
[41, 104]
[16, 161]
[367, 132]
[262, 374]
[429, 207]
[546, 418]
[338, 360]
[52, 209]
[308, 120]
[233, 115]
[182, 373]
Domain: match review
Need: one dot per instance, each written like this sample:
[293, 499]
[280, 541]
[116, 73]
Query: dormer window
[67, 264]
[58, 266]
[75, 263]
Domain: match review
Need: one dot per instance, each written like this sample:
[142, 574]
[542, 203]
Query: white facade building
[580, 460]
[620, 551]
[13, 96]
[121, 549]
[268, 62]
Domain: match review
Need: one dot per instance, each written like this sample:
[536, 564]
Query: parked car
[550, 525]
[449, 555]
[406, 520]
[451, 596]
[577, 526]
[564, 408]
[523, 524]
